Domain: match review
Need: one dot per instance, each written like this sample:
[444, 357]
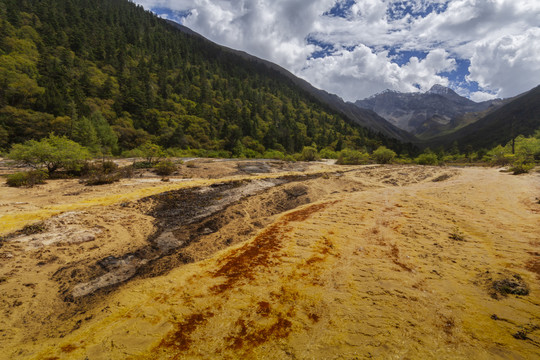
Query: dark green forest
[112, 76]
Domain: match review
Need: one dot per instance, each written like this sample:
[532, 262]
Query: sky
[482, 49]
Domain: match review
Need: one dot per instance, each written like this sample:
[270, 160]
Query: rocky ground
[266, 259]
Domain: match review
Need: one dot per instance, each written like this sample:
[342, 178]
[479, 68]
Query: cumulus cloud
[500, 38]
[508, 64]
[361, 72]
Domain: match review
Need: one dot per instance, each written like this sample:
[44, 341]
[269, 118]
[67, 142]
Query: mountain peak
[440, 90]
[438, 109]
[386, 91]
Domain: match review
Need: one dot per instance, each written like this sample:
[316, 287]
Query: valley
[164, 196]
[267, 259]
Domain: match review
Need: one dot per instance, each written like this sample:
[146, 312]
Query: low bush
[383, 155]
[427, 159]
[89, 168]
[289, 158]
[109, 166]
[402, 160]
[309, 153]
[27, 178]
[520, 167]
[105, 172]
[352, 157]
[165, 168]
[327, 153]
[273, 154]
[142, 165]
[249, 154]
[126, 171]
[221, 154]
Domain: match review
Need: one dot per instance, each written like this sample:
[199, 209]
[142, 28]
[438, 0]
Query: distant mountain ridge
[518, 116]
[428, 114]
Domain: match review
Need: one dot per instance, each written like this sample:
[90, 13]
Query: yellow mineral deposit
[383, 262]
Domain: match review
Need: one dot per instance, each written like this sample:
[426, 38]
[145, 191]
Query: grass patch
[27, 178]
[514, 285]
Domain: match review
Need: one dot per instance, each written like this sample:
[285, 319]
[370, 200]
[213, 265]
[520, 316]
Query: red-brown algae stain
[180, 338]
[314, 317]
[250, 336]
[394, 254]
[534, 263]
[264, 308]
[243, 263]
[68, 348]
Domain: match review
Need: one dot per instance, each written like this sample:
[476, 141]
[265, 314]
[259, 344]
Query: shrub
[223, 154]
[250, 154]
[309, 153]
[106, 172]
[126, 171]
[383, 155]
[327, 153]
[289, 158]
[273, 154]
[427, 159]
[527, 148]
[142, 165]
[521, 167]
[499, 156]
[165, 167]
[149, 151]
[109, 166]
[52, 153]
[402, 159]
[89, 168]
[27, 178]
[352, 157]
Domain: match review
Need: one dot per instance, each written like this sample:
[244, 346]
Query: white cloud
[499, 37]
[359, 73]
[480, 96]
[509, 65]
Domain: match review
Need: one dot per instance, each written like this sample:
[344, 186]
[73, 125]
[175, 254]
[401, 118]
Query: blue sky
[481, 49]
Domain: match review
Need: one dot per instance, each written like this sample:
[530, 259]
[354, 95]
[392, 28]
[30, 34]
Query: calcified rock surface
[329, 263]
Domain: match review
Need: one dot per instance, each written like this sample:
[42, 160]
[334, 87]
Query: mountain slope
[363, 117]
[426, 114]
[84, 68]
[521, 116]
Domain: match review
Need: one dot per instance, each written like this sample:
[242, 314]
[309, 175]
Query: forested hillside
[520, 116]
[112, 76]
